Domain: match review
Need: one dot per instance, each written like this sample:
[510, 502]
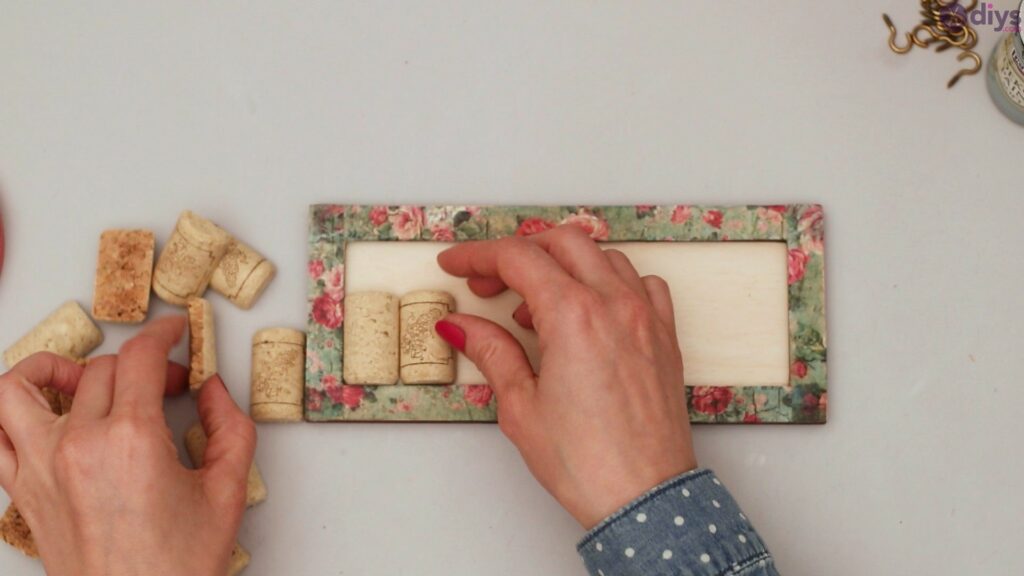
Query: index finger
[48, 370]
[141, 376]
[522, 265]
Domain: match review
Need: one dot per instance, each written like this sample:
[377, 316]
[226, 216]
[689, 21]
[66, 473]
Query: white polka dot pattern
[688, 525]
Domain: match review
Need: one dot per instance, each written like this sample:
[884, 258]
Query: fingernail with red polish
[451, 334]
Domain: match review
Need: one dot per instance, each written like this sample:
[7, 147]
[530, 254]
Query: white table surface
[118, 114]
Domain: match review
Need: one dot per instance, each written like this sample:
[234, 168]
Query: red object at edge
[1, 242]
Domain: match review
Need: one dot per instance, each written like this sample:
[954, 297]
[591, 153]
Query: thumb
[231, 442]
[495, 351]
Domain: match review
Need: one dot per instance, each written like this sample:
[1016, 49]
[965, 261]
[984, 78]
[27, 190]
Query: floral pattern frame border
[801, 226]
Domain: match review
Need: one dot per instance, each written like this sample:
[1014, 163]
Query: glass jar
[1006, 73]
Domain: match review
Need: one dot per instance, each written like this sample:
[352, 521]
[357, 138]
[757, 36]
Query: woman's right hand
[604, 419]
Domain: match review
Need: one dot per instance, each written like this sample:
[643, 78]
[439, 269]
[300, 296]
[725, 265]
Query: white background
[124, 114]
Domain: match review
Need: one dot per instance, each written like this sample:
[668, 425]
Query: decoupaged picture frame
[803, 400]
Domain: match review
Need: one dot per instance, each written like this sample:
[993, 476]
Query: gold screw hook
[893, 33]
[966, 71]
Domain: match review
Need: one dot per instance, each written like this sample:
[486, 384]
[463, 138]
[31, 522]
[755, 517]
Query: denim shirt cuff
[689, 523]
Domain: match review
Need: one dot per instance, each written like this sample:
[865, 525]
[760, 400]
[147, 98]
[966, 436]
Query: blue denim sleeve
[689, 525]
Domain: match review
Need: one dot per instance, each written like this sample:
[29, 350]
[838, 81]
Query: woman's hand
[102, 487]
[605, 417]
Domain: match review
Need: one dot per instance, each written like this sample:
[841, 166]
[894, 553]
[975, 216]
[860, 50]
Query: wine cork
[68, 332]
[202, 344]
[425, 357]
[187, 261]
[13, 528]
[278, 375]
[15, 531]
[242, 275]
[195, 445]
[370, 339]
[239, 560]
[124, 274]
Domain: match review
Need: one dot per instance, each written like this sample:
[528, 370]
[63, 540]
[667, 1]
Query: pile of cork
[199, 254]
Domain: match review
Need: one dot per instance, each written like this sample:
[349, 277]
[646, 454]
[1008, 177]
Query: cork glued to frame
[425, 357]
[371, 334]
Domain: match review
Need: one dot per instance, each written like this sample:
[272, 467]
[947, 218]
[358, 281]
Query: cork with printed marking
[187, 262]
[425, 357]
[242, 275]
[278, 375]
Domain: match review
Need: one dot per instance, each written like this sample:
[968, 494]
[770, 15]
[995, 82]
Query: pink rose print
[332, 387]
[811, 224]
[681, 214]
[769, 215]
[644, 210]
[711, 399]
[442, 233]
[713, 218]
[760, 400]
[799, 369]
[823, 400]
[751, 418]
[404, 407]
[797, 265]
[334, 282]
[778, 208]
[596, 227]
[408, 222]
[352, 396]
[314, 401]
[812, 217]
[532, 226]
[327, 311]
[479, 395]
[314, 363]
[810, 401]
[316, 269]
[378, 216]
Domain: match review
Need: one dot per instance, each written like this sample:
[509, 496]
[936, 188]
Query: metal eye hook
[966, 71]
[916, 39]
[893, 33]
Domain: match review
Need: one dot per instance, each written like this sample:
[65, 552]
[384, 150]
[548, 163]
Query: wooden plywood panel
[730, 300]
